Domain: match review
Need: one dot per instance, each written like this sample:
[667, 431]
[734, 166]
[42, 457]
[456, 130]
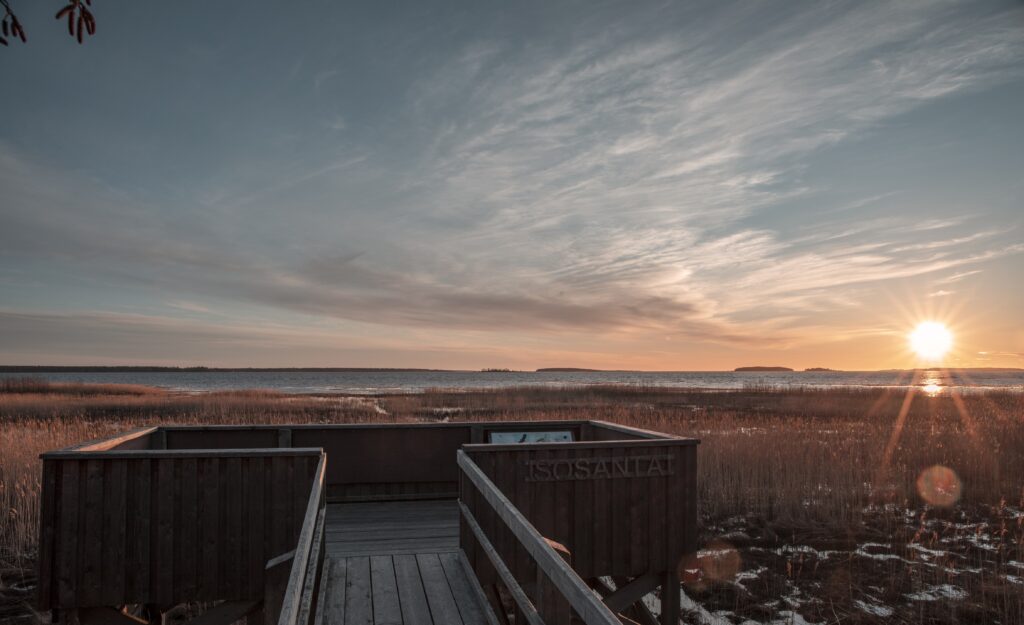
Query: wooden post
[553, 607]
[670, 598]
[284, 437]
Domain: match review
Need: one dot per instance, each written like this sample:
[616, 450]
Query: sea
[934, 381]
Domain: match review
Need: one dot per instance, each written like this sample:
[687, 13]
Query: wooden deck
[368, 524]
[398, 563]
[401, 527]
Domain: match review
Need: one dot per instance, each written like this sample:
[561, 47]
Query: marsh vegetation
[834, 505]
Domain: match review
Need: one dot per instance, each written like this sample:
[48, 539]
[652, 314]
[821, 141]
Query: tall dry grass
[37, 417]
[834, 463]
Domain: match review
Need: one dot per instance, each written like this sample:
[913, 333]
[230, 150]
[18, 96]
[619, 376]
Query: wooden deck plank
[334, 596]
[465, 595]
[358, 604]
[392, 528]
[384, 588]
[439, 595]
[412, 598]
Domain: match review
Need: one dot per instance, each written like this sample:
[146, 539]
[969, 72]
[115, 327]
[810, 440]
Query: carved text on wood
[569, 469]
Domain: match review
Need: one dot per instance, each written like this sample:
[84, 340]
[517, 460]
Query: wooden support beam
[641, 614]
[284, 437]
[636, 614]
[106, 616]
[670, 598]
[226, 612]
[632, 592]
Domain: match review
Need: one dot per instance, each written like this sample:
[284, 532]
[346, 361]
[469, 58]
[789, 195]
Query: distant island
[495, 370]
[762, 369]
[818, 369]
[565, 369]
[156, 369]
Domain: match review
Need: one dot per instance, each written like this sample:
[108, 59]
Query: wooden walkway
[398, 563]
[400, 527]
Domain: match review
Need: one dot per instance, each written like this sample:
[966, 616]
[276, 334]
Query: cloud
[608, 185]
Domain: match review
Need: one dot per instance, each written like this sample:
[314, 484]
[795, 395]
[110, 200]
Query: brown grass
[831, 469]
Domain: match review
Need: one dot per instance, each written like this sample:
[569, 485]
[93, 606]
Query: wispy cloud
[620, 183]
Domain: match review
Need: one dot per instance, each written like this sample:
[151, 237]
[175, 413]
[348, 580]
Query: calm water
[414, 381]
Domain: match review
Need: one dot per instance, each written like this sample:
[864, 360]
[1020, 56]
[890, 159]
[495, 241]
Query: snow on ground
[874, 609]
[942, 591]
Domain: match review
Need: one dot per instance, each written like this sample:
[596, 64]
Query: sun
[931, 340]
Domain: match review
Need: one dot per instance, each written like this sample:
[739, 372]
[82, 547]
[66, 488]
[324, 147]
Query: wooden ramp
[398, 563]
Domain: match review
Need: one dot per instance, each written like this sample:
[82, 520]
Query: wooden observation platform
[540, 522]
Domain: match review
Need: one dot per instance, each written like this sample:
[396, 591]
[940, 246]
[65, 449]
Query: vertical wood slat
[91, 551]
[138, 532]
[163, 538]
[48, 515]
[186, 567]
[209, 488]
[639, 493]
[114, 532]
[67, 552]
[233, 528]
[253, 479]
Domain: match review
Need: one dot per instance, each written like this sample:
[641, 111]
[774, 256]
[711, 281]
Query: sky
[639, 185]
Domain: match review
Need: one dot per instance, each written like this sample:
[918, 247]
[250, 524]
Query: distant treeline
[146, 369]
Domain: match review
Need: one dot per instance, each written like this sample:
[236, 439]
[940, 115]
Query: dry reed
[836, 466]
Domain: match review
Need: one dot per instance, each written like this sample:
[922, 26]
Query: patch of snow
[787, 618]
[926, 552]
[873, 608]
[744, 576]
[942, 591]
[694, 610]
[789, 550]
[864, 553]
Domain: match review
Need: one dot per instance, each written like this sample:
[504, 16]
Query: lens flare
[939, 486]
[718, 561]
[931, 340]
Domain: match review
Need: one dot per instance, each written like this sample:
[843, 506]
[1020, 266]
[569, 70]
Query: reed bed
[802, 483]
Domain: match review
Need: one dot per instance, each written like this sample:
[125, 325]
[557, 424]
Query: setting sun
[931, 340]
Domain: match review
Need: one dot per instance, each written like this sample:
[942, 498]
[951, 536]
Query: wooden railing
[546, 590]
[296, 603]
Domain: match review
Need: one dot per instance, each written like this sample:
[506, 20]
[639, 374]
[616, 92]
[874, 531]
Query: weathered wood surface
[622, 508]
[121, 527]
[303, 582]
[198, 524]
[392, 527]
[551, 567]
[402, 589]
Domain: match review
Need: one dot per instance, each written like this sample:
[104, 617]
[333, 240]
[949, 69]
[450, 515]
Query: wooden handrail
[518, 594]
[142, 454]
[304, 550]
[581, 597]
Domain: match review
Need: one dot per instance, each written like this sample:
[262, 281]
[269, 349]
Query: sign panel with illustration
[538, 436]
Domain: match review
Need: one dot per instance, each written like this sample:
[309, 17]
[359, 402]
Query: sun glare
[931, 340]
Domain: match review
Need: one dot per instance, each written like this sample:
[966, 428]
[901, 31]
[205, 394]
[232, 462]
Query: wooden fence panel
[123, 527]
[621, 508]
